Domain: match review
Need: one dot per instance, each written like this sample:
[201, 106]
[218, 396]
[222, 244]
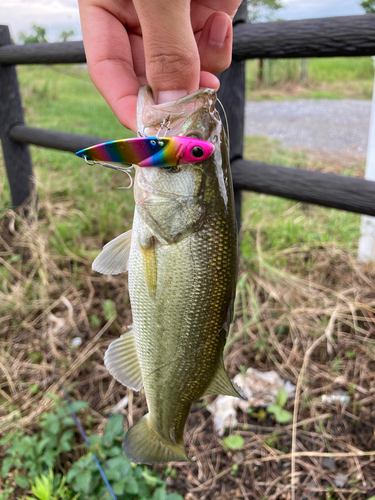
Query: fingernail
[218, 31]
[170, 95]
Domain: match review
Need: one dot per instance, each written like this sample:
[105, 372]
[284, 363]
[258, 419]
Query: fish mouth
[170, 118]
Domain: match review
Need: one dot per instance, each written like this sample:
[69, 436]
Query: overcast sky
[59, 15]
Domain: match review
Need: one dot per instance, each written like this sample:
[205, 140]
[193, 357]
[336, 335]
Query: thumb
[171, 53]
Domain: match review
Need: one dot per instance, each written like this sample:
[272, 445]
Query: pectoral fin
[221, 384]
[122, 362]
[114, 257]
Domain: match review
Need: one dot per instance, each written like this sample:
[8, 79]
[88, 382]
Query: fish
[181, 255]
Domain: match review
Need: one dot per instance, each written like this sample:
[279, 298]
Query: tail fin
[142, 445]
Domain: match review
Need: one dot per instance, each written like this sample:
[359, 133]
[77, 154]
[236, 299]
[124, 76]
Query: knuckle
[172, 65]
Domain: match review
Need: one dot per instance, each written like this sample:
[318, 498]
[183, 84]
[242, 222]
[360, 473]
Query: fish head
[177, 198]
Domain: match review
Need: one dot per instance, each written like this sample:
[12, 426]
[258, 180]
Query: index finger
[110, 62]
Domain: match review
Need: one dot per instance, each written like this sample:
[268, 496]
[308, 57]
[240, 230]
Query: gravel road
[335, 127]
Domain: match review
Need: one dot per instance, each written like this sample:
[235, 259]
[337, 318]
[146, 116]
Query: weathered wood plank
[43, 53]
[16, 156]
[328, 190]
[53, 139]
[325, 37]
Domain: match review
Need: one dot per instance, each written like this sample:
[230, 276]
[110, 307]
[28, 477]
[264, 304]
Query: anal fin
[114, 257]
[121, 360]
[221, 384]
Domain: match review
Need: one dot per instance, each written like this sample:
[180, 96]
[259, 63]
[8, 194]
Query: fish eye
[197, 152]
[153, 143]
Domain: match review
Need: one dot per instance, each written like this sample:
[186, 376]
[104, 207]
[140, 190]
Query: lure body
[150, 151]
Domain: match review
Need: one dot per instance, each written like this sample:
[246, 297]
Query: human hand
[175, 47]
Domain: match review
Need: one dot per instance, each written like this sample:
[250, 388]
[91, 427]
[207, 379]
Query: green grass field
[63, 98]
[335, 78]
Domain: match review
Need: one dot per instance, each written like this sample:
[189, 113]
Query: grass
[333, 78]
[63, 98]
[284, 223]
[304, 308]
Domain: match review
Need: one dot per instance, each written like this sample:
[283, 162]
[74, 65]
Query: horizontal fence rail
[328, 190]
[53, 139]
[43, 53]
[326, 37]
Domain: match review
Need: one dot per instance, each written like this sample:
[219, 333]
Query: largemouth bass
[182, 260]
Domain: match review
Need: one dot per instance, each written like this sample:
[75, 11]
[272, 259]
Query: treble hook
[126, 170]
[165, 124]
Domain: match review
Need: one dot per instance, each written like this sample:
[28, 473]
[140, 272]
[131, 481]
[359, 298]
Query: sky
[59, 15]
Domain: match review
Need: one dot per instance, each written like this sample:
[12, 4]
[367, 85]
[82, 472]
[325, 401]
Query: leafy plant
[94, 320]
[65, 35]
[260, 415]
[32, 455]
[233, 442]
[34, 460]
[7, 491]
[369, 6]
[109, 309]
[129, 481]
[39, 35]
[281, 415]
[262, 10]
[234, 470]
[45, 488]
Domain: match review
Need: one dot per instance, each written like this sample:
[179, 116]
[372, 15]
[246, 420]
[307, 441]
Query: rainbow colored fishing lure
[150, 151]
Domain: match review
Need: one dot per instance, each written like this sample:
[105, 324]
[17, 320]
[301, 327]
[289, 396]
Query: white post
[366, 244]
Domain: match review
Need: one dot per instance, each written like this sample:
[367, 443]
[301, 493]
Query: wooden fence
[327, 37]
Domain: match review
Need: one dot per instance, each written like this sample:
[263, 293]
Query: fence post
[16, 155]
[232, 95]
[366, 244]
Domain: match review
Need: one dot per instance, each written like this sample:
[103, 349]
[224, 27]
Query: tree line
[258, 10]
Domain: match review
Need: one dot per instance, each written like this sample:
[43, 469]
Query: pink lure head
[193, 150]
[180, 150]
